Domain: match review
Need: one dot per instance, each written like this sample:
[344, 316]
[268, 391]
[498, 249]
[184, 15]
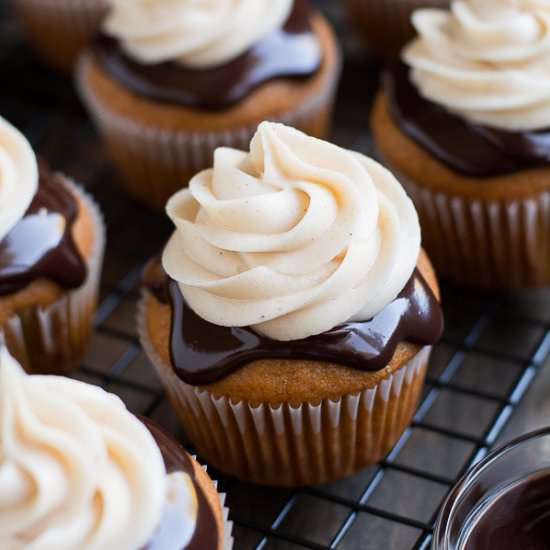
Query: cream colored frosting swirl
[292, 238]
[77, 470]
[197, 33]
[486, 60]
[18, 176]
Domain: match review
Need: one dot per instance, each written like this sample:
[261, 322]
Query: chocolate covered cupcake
[60, 29]
[292, 314]
[51, 250]
[167, 83]
[464, 121]
[80, 472]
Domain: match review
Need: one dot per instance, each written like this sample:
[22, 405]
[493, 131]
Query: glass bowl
[498, 473]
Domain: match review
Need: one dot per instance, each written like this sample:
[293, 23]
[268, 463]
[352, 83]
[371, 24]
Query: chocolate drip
[203, 353]
[206, 533]
[287, 52]
[466, 147]
[518, 519]
[41, 243]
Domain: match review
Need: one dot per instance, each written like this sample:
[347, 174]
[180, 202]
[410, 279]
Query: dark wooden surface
[488, 379]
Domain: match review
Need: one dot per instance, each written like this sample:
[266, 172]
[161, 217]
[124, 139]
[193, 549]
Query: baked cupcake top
[37, 214]
[203, 53]
[478, 91]
[79, 471]
[297, 244]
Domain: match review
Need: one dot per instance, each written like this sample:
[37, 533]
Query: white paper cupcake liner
[156, 162]
[485, 243]
[227, 523]
[60, 29]
[288, 445]
[53, 339]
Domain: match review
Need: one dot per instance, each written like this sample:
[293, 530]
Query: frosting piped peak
[18, 176]
[77, 470]
[196, 33]
[486, 60]
[292, 238]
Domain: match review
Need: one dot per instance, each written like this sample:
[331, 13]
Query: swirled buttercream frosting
[292, 238]
[486, 60]
[77, 470]
[196, 33]
[18, 176]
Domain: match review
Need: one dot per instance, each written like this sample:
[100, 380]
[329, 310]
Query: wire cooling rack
[492, 348]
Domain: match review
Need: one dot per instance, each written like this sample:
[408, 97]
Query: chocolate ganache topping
[41, 243]
[203, 353]
[206, 534]
[291, 51]
[466, 147]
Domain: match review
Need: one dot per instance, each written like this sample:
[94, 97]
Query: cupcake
[51, 251]
[167, 83]
[291, 316]
[464, 122]
[386, 24]
[79, 471]
[60, 29]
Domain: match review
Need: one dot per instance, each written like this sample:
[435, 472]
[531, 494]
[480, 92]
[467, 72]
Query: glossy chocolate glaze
[289, 52]
[518, 519]
[206, 534]
[203, 353]
[41, 243]
[466, 147]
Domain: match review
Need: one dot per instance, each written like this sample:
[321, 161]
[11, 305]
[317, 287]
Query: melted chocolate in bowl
[206, 534]
[517, 518]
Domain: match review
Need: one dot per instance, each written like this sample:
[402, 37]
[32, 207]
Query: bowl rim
[446, 512]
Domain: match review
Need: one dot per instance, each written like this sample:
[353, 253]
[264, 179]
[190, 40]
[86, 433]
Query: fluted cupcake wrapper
[156, 162]
[227, 523]
[60, 29]
[53, 339]
[294, 444]
[386, 24]
[496, 244]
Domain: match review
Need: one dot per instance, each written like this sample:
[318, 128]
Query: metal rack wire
[491, 352]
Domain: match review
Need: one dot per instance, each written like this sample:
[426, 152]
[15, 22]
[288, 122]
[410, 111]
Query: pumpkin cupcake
[464, 121]
[79, 471]
[292, 314]
[60, 29]
[51, 250]
[167, 83]
[386, 24]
